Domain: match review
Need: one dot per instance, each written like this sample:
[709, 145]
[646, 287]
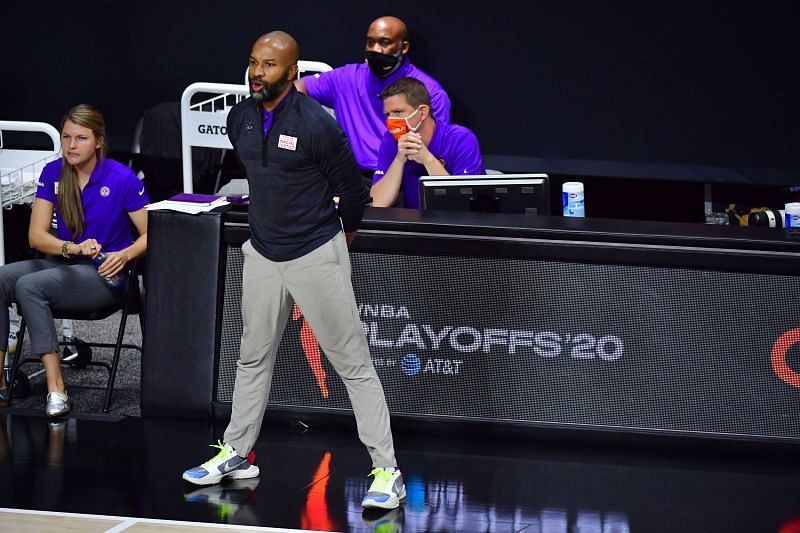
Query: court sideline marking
[127, 522]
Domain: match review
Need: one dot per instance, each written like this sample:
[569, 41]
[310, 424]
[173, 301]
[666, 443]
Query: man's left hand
[422, 154]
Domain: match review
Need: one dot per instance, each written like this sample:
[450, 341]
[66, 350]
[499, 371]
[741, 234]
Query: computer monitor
[526, 194]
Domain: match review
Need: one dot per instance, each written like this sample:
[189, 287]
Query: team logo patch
[249, 127]
[105, 191]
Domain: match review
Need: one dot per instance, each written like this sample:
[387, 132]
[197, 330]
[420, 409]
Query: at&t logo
[413, 365]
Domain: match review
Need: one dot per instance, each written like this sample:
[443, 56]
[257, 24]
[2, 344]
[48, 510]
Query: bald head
[387, 36]
[390, 25]
[282, 43]
[271, 67]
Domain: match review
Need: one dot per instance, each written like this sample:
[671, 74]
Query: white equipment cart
[20, 169]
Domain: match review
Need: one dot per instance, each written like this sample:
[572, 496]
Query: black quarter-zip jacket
[294, 173]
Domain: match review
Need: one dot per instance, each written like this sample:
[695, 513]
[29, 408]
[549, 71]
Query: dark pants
[39, 285]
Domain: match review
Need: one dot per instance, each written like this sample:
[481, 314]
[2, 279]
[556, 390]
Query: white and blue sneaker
[387, 489]
[225, 464]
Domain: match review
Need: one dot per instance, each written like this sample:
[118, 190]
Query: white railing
[20, 169]
[203, 124]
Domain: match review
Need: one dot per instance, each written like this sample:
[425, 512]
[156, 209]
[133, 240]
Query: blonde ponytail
[70, 203]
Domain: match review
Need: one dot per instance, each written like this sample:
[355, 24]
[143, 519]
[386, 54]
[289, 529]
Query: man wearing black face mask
[352, 90]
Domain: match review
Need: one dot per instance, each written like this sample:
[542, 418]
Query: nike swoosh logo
[141, 192]
[231, 464]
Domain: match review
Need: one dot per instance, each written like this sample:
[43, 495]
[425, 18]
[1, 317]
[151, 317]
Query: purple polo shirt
[112, 192]
[456, 147]
[269, 115]
[352, 92]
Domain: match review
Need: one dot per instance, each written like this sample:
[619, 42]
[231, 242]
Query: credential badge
[287, 142]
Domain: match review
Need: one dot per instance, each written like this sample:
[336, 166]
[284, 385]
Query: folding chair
[131, 303]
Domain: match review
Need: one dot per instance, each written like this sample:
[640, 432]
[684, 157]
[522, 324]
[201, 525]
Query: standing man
[352, 90]
[415, 144]
[296, 159]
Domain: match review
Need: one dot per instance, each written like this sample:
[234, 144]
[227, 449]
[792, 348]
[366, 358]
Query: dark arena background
[679, 91]
[637, 370]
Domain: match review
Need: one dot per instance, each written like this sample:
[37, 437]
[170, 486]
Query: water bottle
[768, 218]
[114, 281]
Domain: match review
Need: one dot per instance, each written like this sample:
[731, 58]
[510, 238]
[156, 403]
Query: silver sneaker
[57, 404]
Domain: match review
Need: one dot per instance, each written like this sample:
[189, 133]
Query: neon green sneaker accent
[383, 480]
[386, 527]
[226, 510]
[224, 453]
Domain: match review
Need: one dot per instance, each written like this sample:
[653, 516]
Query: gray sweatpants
[38, 285]
[319, 282]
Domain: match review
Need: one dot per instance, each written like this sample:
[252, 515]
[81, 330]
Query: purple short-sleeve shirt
[112, 192]
[456, 148]
[352, 92]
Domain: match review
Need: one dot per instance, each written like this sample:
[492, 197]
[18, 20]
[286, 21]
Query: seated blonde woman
[97, 203]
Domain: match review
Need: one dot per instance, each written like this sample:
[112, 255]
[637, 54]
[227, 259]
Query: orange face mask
[399, 126]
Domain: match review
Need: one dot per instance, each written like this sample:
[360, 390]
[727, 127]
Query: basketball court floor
[112, 473]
